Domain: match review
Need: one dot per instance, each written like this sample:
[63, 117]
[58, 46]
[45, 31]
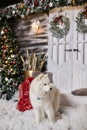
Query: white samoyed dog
[45, 98]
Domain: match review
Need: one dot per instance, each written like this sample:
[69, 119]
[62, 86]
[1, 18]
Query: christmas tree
[11, 71]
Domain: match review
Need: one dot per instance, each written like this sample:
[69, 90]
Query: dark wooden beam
[4, 3]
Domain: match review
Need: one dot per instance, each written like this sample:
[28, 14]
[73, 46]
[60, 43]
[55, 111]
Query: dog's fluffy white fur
[45, 98]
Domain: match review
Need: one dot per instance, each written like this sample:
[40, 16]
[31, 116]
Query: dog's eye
[45, 84]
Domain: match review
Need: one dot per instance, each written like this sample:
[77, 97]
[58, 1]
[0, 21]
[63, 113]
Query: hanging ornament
[9, 58]
[73, 2]
[3, 55]
[11, 69]
[21, 6]
[6, 79]
[2, 32]
[5, 37]
[11, 51]
[13, 62]
[5, 30]
[4, 47]
[6, 62]
[6, 40]
[13, 12]
[36, 3]
[14, 72]
[12, 56]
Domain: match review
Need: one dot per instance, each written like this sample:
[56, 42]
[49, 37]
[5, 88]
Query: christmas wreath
[81, 21]
[60, 26]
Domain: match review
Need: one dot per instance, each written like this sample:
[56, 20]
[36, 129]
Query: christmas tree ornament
[5, 30]
[13, 12]
[73, 2]
[13, 62]
[4, 36]
[21, 6]
[4, 47]
[11, 69]
[11, 51]
[6, 79]
[3, 55]
[36, 3]
[6, 40]
[13, 72]
[9, 58]
[12, 55]
[6, 62]
[2, 32]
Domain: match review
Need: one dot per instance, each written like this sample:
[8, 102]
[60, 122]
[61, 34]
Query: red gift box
[24, 98]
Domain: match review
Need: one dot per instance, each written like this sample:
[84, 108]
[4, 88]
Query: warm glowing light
[35, 26]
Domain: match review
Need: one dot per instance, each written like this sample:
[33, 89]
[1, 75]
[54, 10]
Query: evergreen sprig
[80, 20]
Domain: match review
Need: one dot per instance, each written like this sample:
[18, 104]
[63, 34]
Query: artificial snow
[72, 118]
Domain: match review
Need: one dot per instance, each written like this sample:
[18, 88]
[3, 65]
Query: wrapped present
[24, 98]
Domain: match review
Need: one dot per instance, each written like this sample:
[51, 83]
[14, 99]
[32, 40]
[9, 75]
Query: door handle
[76, 50]
[70, 50]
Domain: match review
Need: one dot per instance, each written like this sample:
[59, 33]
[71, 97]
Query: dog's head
[42, 84]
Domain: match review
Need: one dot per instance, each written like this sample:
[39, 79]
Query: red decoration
[4, 47]
[13, 62]
[24, 99]
[4, 36]
[6, 40]
[3, 55]
[42, 1]
[5, 30]
[57, 19]
[85, 13]
[36, 3]
[47, 6]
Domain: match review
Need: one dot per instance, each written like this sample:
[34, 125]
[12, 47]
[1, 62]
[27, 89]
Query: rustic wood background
[26, 38]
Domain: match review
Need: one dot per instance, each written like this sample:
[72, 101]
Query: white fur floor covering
[12, 119]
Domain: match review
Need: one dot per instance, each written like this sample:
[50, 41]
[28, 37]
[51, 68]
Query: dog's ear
[40, 76]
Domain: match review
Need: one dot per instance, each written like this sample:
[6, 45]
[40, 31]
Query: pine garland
[36, 6]
[80, 20]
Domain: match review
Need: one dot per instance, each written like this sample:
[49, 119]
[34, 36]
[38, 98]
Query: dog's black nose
[50, 88]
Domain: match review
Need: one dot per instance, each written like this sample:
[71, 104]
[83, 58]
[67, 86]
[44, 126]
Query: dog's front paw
[39, 119]
[52, 120]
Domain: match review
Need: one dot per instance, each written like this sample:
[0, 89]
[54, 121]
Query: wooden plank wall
[26, 38]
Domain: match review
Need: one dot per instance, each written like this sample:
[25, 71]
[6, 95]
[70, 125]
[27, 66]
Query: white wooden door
[79, 58]
[67, 57]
